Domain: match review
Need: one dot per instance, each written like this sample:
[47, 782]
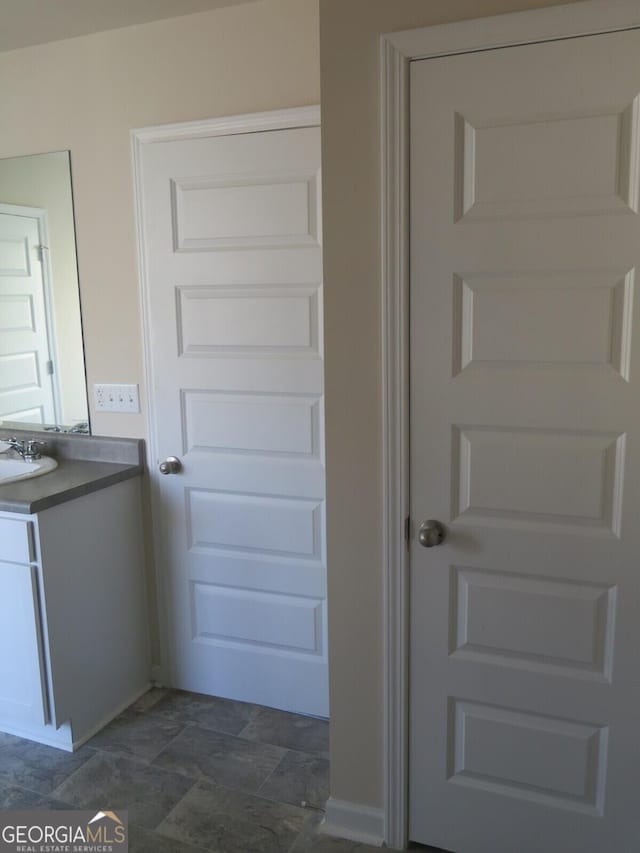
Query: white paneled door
[26, 353]
[525, 407]
[232, 250]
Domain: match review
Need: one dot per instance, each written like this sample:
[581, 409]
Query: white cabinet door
[22, 686]
[525, 396]
[231, 227]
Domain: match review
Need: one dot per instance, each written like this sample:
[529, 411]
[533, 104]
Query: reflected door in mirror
[27, 391]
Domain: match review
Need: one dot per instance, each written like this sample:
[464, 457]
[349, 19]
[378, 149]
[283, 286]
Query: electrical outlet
[116, 398]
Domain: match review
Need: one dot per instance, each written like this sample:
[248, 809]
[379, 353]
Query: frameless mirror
[42, 371]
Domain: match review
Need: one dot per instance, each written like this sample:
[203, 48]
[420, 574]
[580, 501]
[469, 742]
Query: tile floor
[196, 773]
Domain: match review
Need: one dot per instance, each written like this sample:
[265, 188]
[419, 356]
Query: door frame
[285, 119]
[397, 51]
[40, 215]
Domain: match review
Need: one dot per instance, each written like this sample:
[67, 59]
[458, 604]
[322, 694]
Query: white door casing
[399, 50]
[230, 247]
[27, 385]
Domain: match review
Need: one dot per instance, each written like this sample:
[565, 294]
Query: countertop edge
[103, 481]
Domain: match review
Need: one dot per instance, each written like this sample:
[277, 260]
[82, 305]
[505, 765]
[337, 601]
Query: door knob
[171, 465]
[432, 533]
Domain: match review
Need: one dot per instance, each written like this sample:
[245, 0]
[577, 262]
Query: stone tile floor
[196, 773]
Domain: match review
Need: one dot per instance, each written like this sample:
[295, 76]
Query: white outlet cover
[116, 398]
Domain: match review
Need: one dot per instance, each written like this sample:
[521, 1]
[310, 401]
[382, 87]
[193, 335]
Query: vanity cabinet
[73, 627]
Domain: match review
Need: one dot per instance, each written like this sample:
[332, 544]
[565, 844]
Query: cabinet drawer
[16, 541]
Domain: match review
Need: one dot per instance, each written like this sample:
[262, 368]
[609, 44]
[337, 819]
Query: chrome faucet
[27, 449]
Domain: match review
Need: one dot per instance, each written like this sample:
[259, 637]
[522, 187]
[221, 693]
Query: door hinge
[407, 531]
[49, 368]
[41, 251]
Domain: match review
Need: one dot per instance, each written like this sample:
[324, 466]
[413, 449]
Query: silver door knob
[432, 533]
[171, 465]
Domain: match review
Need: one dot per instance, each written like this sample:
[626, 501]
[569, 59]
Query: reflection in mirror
[42, 373]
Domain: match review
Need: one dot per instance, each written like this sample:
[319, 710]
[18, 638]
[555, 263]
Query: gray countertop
[71, 479]
[85, 464]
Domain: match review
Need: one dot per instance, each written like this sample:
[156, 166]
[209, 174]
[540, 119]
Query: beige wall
[86, 94]
[45, 182]
[349, 39]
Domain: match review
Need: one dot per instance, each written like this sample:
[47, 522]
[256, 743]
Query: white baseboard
[354, 821]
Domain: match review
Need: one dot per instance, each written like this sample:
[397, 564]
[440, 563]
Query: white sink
[12, 469]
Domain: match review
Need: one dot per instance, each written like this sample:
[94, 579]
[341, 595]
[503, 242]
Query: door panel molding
[397, 51]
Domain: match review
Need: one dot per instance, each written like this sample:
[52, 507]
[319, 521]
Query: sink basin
[12, 469]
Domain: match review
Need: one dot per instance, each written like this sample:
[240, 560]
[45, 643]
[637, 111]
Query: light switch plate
[116, 398]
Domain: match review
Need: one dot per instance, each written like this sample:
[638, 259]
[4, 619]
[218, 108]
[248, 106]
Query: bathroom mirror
[42, 370]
